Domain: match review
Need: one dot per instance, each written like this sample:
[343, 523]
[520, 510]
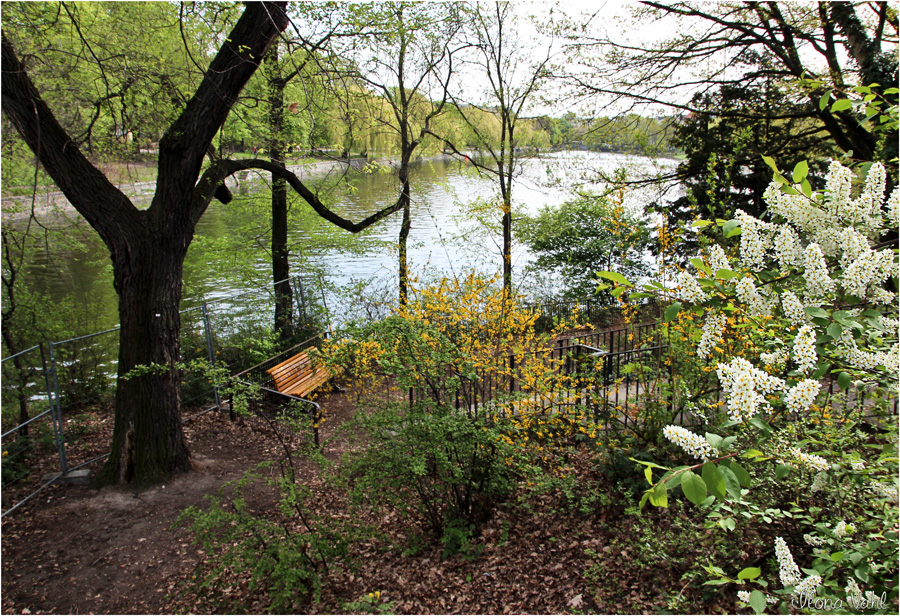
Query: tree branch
[216, 174]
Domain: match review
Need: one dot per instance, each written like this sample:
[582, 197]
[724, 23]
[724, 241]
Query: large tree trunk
[281, 269]
[148, 444]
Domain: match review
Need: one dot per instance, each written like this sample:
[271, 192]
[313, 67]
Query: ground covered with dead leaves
[81, 550]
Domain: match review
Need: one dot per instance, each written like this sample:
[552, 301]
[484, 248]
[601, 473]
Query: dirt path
[75, 549]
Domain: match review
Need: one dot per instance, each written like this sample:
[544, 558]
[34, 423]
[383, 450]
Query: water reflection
[445, 237]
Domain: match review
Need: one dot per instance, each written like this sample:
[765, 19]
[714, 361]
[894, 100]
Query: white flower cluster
[788, 570]
[793, 308]
[692, 443]
[807, 588]
[775, 359]
[717, 259]
[839, 227]
[746, 387]
[819, 284]
[867, 360]
[811, 461]
[842, 529]
[815, 542]
[863, 276]
[891, 493]
[805, 349]
[753, 244]
[689, 289]
[853, 244]
[838, 208]
[788, 249]
[894, 208]
[857, 465]
[747, 292]
[712, 329]
[801, 396]
[744, 595]
[854, 594]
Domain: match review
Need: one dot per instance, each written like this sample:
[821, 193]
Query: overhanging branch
[213, 178]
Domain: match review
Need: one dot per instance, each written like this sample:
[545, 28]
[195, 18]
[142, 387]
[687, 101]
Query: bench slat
[296, 376]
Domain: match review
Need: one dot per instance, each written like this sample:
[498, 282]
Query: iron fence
[591, 310]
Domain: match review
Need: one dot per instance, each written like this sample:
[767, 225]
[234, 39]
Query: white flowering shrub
[815, 287]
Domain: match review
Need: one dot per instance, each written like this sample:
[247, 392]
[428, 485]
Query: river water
[229, 254]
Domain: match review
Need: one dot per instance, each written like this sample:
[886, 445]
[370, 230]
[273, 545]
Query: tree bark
[148, 444]
[281, 268]
[405, 201]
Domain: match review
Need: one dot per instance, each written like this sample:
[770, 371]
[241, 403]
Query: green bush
[436, 463]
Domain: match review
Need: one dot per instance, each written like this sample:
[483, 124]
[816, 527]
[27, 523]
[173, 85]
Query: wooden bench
[297, 376]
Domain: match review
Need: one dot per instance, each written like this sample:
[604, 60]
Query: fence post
[204, 309]
[56, 411]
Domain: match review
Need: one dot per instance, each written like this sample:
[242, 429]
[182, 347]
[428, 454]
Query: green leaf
[815, 311]
[760, 424]
[714, 440]
[700, 265]
[806, 188]
[640, 295]
[782, 470]
[750, 573]
[727, 523]
[841, 105]
[789, 190]
[659, 497]
[823, 102]
[822, 369]
[725, 274]
[615, 277]
[729, 226]
[771, 162]
[801, 170]
[837, 556]
[644, 499]
[648, 473]
[672, 311]
[699, 224]
[732, 485]
[742, 475]
[835, 330]
[694, 487]
[845, 381]
[650, 464]
[714, 480]
[758, 602]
